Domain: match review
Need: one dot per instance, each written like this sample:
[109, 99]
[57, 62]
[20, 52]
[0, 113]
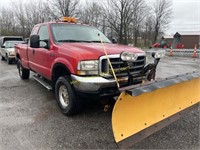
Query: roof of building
[168, 36]
[188, 32]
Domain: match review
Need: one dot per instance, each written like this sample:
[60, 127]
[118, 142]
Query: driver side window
[43, 33]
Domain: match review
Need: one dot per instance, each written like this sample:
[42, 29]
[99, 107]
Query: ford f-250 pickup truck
[69, 58]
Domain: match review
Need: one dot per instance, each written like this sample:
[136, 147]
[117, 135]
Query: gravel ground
[31, 119]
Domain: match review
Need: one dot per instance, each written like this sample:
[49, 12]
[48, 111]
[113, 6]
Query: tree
[7, 24]
[138, 18]
[162, 13]
[19, 11]
[59, 8]
[148, 30]
[118, 14]
[35, 12]
[91, 13]
[125, 18]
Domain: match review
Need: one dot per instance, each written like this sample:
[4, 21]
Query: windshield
[11, 44]
[77, 33]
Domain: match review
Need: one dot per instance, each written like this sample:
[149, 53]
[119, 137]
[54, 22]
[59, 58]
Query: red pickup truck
[69, 58]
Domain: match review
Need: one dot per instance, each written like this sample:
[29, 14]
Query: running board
[41, 81]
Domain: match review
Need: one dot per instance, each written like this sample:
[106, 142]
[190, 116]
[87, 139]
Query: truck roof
[11, 37]
[60, 22]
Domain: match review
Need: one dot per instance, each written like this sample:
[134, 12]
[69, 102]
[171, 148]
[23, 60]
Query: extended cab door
[40, 58]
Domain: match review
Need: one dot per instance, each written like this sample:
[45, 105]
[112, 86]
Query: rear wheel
[67, 100]
[23, 73]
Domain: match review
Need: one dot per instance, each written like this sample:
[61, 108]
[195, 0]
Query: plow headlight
[90, 67]
[128, 56]
[159, 54]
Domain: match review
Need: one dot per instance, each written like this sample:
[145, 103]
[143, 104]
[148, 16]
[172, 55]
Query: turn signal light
[68, 19]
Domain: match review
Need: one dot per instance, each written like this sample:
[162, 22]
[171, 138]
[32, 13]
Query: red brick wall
[189, 41]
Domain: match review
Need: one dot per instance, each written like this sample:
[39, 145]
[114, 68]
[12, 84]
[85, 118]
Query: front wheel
[9, 61]
[2, 58]
[23, 73]
[68, 102]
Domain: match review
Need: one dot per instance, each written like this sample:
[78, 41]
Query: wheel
[8, 60]
[23, 73]
[2, 58]
[68, 102]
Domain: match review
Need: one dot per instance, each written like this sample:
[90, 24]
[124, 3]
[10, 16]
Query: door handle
[52, 55]
[33, 51]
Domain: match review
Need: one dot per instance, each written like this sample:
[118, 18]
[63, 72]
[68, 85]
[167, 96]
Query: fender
[23, 57]
[70, 66]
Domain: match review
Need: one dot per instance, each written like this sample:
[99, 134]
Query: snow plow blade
[141, 110]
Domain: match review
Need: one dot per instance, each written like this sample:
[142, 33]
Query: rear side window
[9, 38]
[43, 33]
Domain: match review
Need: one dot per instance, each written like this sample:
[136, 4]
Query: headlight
[128, 56]
[90, 67]
[159, 54]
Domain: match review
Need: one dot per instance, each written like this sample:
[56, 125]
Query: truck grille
[120, 67]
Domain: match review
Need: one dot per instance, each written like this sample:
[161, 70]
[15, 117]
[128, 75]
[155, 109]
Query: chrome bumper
[11, 56]
[91, 84]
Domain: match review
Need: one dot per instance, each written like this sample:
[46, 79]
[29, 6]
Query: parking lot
[31, 119]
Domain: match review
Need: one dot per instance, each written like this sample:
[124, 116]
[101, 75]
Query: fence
[183, 52]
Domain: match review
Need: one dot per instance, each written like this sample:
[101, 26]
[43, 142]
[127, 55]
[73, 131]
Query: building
[188, 39]
[169, 39]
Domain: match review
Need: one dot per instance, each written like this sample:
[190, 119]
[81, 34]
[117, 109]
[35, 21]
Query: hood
[95, 50]
[10, 49]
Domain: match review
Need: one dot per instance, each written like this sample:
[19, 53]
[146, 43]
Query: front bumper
[91, 84]
[11, 57]
[97, 86]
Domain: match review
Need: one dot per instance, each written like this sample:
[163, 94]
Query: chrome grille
[120, 67]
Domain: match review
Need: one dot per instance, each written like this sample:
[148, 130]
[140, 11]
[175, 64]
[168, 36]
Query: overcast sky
[186, 15]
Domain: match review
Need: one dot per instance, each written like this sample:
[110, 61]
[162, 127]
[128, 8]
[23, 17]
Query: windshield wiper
[73, 41]
[99, 42]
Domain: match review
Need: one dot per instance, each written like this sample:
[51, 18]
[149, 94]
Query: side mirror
[35, 41]
[44, 44]
[2, 46]
[114, 41]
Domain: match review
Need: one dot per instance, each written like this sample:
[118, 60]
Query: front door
[39, 57]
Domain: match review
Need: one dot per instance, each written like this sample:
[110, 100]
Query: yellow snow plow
[142, 110]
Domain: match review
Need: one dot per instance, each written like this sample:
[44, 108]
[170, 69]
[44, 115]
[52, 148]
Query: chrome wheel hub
[20, 70]
[63, 96]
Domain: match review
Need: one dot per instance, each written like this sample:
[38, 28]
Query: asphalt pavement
[31, 119]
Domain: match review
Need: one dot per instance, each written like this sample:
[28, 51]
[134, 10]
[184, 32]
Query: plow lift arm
[145, 108]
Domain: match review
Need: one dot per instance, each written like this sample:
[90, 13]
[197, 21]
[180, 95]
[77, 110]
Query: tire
[2, 58]
[23, 73]
[8, 60]
[66, 98]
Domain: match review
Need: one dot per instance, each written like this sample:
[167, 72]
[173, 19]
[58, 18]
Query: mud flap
[143, 110]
